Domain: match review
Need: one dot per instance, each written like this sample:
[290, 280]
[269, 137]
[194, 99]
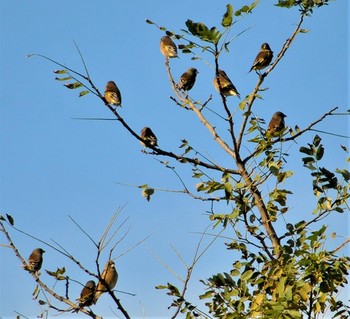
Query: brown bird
[112, 94]
[188, 79]
[263, 59]
[168, 47]
[107, 280]
[86, 295]
[149, 137]
[35, 260]
[223, 84]
[276, 125]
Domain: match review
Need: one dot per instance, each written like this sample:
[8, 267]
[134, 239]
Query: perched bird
[168, 47]
[149, 137]
[86, 295]
[224, 85]
[188, 79]
[35, 260]
[112, 94]
[276, 125]
[263, 59]
[107, 280]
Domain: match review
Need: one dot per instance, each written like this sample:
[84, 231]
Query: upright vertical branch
[261, 79]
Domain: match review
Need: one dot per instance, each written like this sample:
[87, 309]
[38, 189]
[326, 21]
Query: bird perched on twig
[35, 260]
[263, 59]
[276, 125]
[188, 79]
[149, 137]
[168, 47]
[86, 295]
[108, 280]
[112, 94]
[223, 84]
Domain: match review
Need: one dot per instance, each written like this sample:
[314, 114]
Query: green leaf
[319, 152]
[199, 29]
[63, 79]
[285, 3]
[73, 86]
[60, 71]
[308, 160]
[344, 148]
[306, 150]
[317, 140]
[82, 93]
[227, 19]
[242, 105]
[207, 295]
[149, 21]
[345, 173]
[247, 9]
[10, 219]
[161, 287]
[58, 273]
[247, 275]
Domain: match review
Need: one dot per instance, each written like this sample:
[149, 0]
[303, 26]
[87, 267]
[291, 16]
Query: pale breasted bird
[168, 47]
[149, 137]
[223, 84]
[188, 79]
[35, 260]
[276, 125]
[108, 279]
[112, 94]
[263, 59]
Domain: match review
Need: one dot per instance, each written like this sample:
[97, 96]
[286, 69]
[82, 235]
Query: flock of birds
[222, 83]
[90, 292]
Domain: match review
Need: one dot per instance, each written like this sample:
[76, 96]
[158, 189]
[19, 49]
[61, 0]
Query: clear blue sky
[52, 166]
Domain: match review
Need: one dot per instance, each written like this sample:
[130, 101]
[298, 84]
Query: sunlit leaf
[82, 93]
[60, 71]
[228, 16]
[73, 86]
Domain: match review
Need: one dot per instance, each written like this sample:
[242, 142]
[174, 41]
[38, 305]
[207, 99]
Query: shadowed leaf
[10, 219]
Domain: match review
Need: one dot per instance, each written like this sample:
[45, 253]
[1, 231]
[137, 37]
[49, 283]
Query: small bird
[168, 47]
[223, 84]
[276, 125]
[86, 295]
[188, 79]
[35, 260]
[149, 137]
[107, 280]
[112, 94]
[263, 59]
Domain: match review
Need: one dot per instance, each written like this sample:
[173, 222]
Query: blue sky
[53, 167]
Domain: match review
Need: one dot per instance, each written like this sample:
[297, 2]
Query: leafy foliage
[286, 274]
